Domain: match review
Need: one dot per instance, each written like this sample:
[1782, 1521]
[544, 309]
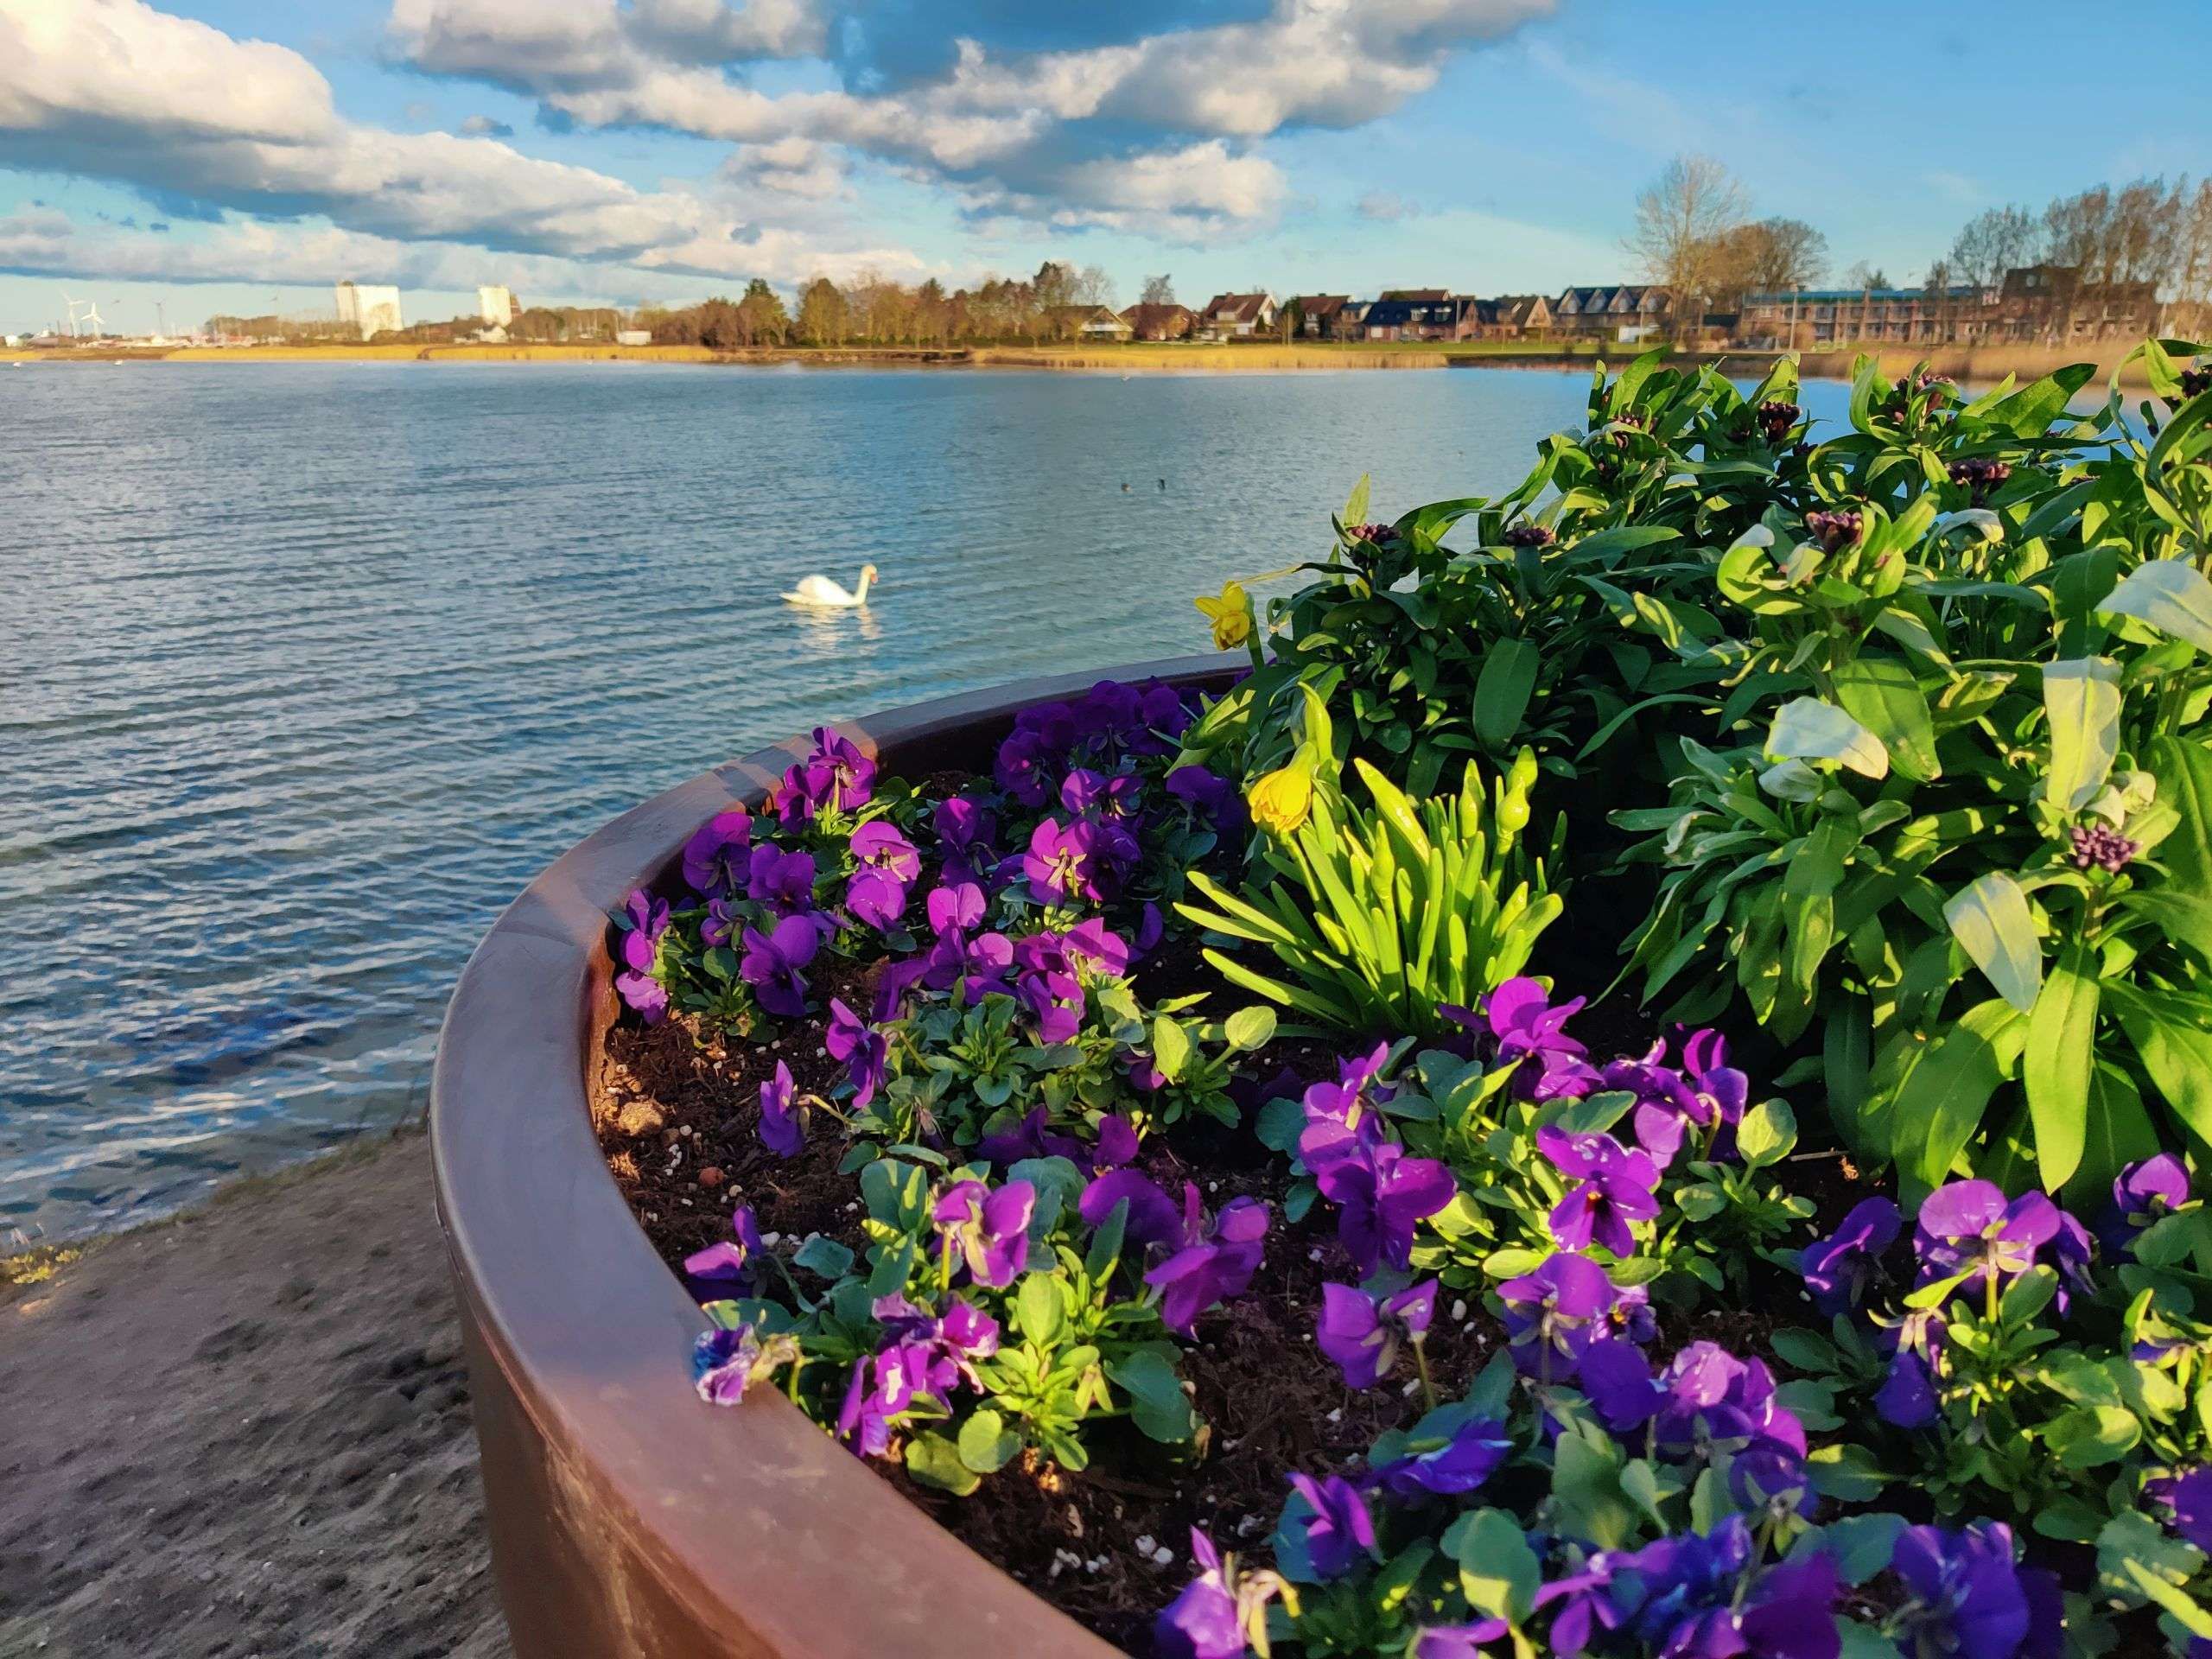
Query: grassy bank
[1978, 365]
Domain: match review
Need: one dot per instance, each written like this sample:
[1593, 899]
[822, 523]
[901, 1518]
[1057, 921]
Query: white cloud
[1047, 135]
[114, 89]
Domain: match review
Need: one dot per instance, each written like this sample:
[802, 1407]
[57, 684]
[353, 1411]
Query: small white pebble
[1053, 1571]
[1313, 1254]
[855, 1204]
[1408, 1389]
[1213, 1187]
[1163, 1556]
[1459, 1310]
[771, 1239]
[1146, 1544]
[1338, 1415]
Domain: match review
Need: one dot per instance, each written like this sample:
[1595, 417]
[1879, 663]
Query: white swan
[820, 590]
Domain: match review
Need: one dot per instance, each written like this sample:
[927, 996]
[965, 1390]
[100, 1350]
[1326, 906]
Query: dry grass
[1210, 358]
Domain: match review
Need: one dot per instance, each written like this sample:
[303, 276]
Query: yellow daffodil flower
[1283, 799]
[1231, 614]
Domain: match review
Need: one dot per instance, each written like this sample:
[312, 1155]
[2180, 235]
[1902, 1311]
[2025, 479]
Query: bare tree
[1683, 220]
[1158, 291]
[1771, 255]
[1992, 242]
[1094, 287]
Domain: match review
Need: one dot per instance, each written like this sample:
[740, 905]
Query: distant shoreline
[1973, 364]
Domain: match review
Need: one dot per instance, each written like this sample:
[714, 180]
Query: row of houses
[1399, 314]
[2033, 303]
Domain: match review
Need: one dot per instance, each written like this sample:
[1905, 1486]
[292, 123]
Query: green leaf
[987, 1446]
[1805, 728]
[823, 1256]
[2119, 1132]
[2181, 916]
[1248, 1029]
[1502, 690]
[2184, 769]
[1171, 1047]
[1882, 695]
[1857, 1641]
[2090, 1435]
[2172, 596]
[2174, 1049]
[2028, 412]
[1766, 1134]
[1846, 1472]
[1990, 917]
[1157, 1403]
[1943, 1095]
[1498, 1573]
[1860, 1545]
[933, 1460]
[2133, 1541]
[2082, 699]
[2057, 1061]
[1355, 510]
[1041, 1309]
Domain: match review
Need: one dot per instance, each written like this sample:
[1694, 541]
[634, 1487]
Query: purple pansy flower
[1216, 1611]
[1837, 1267]
[1615, 1187]
[1694, 1603]
[955, 909]
[1030, 1138]
[1968, 1596]
[1065, 865]
[2187, 1499]
[773, 960]
[783, 882]
[731, 1264]
[1341, 1116]
[1152, 1218]
[1213, 1265]
[1968, 1228]
[1907, 1396]
[1519, 1014]
[1340, 1531]
[781, 1132]
[877, 845]
[1207, 794]
[2140, 1194]
[1555, 1314]
[1705, 1394]
[860, 1048]
[646, 919]
[876, 898]
[1021, 768]
[722, 1364]
[989, 1229]
[1587, 1608]
[885, 1386]
[715, 859]
[1458, 1462]
[963, 1334]
[1361, 1334]
[838, 776]
[1631, 1319]
[1380, 1194]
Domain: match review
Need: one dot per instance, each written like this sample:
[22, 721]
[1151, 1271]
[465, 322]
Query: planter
[628, 1517]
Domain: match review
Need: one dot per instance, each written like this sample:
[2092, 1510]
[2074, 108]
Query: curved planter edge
[626, 1517]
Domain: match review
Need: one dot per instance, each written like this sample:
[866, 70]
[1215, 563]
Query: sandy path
[246, 1432]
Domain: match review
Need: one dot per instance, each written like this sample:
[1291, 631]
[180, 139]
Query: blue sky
[227, 155]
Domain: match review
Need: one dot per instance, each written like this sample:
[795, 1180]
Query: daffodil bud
[1283, 800]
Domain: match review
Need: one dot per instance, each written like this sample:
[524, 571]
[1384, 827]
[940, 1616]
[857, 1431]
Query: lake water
[306, 670]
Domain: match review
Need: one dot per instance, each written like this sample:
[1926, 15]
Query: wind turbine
[73, 305]
[92, 316]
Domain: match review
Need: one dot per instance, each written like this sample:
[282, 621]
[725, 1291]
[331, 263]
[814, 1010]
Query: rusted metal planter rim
[747, 1523]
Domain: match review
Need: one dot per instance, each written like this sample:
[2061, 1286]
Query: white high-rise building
[496, 305]
[369, 307]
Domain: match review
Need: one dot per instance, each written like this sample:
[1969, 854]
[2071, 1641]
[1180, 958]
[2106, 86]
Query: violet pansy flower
[1520, 1016]
[781, 1132]
[1152, 1218]
[734, 1264]
[1968, 1228]
[1614, 1188]
[1212, 1266]
[783, 882]
[1217, 1611]
[989, 1229]
[877, 845]
[1967, 1596]
[1065, 866]
[773, 962]
[860, 1048]
[1836, 1269]
[1459, 1462]
[2140, 1194]
[876, 898]
[1381, 1194]
[715, 859]
[645, 919]
[1339, 1532]
[725, 1362]
[1361, 1334]
[1907, 1396]
[2187, 1500]
[1553, 1313]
